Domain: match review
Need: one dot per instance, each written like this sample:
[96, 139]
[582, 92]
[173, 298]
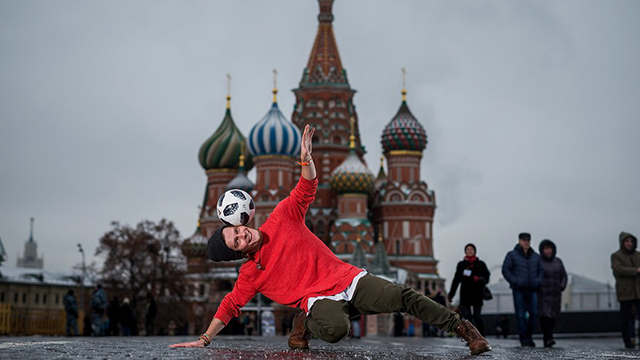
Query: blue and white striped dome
[274, 135]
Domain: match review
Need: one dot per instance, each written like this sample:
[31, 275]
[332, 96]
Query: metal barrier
[5, 319]
[25, 321]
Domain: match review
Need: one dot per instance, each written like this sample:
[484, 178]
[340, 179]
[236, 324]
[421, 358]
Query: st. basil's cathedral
[380, 223]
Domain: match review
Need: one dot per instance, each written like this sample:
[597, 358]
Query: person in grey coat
[99, 305]
[626, 269]
[550, 292]
[522, 269]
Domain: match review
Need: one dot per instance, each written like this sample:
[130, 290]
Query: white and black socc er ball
[236, 207]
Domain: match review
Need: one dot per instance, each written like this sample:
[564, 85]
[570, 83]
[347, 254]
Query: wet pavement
[36, 347]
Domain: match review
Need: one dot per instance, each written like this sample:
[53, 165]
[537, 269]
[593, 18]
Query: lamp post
[82, 278]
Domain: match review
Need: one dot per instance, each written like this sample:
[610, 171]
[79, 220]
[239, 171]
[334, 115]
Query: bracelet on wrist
[206, 338]
[306, 163]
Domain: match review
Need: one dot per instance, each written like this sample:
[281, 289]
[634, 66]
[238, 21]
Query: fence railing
[25, 321]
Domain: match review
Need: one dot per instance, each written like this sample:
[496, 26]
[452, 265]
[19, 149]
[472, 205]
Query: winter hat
[543, 244]
[524, 236]
[217, 250]
[473, 246]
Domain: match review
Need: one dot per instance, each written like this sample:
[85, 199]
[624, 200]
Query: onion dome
[222, 149]
[404, 132]
[196, 245]
[352, 176]
[274, 134]
[241, 181]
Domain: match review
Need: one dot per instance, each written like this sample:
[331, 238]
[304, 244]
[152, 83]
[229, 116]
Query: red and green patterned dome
[222, 149]
[404, 132]
[352, 176]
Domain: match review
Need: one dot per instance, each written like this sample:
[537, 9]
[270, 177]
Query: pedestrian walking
[99, 305]
[550, 293]
[114, 313]
[626, 268]
[71, 308]
[472, 275]
[290, 265]
[522, 269]
[127, 318]
[150, 315]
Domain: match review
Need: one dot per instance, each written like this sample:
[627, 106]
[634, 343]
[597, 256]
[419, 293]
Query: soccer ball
[236, 207]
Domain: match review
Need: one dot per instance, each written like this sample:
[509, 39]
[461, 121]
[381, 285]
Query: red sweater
[296, 264]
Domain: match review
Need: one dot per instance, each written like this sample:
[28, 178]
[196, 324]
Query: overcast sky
[531, 110]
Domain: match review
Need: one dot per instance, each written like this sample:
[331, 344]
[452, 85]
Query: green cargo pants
[329, 319]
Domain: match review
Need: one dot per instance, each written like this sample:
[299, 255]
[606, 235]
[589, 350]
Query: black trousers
[626, 320]
[547, 324]
[476, 318]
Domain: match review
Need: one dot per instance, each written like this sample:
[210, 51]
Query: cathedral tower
[324, 100]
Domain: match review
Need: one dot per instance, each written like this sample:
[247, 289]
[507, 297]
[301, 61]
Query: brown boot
[299, 337]
[477, 343]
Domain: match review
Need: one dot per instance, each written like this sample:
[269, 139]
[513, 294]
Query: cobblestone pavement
[36, 347]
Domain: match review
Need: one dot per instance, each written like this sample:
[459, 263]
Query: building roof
[352, 176]
[274, 134]
[19, 275]
[196, 245]
[222, 149]
[404, 131]
[324, 66]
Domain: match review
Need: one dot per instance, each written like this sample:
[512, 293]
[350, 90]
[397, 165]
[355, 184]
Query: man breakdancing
[289, 264]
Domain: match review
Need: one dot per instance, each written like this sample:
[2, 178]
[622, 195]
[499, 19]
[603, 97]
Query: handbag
[486, 293]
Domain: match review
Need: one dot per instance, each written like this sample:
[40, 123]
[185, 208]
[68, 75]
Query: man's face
[548, 251]
[525, 244]
[241, 238]
[628, 243]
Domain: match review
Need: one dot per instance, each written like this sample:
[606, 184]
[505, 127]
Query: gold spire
[404, 84]
[358, 239]
[352, 136]
[381, 162]
[199, 222]
[380, 234]
[228, 91]
[275, 85]
[241, 155]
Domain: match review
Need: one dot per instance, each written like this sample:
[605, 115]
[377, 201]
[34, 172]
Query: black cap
[217, 250]
[524, 236]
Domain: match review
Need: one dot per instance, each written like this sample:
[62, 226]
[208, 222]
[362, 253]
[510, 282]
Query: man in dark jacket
[71, 308]
[626, 268]
[522, 269]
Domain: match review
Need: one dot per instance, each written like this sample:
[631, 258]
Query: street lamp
[82, 278]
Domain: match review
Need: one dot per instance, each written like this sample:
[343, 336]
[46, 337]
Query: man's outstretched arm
[308, 171]
[214, 328]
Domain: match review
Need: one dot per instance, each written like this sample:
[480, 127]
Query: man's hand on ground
[197, 343]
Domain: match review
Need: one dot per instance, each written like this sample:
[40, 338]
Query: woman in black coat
[550, 291]
[472, 274]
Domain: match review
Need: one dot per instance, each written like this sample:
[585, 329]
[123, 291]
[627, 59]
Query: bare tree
[144, 259]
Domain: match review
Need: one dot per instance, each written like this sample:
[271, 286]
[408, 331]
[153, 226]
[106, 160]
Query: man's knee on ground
[336, 332]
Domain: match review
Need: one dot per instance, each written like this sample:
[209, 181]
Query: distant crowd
[537, 282]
